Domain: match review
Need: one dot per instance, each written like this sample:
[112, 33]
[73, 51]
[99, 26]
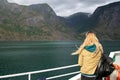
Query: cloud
[68, 7]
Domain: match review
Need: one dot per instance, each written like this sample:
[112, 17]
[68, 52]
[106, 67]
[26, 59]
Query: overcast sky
[68, 7]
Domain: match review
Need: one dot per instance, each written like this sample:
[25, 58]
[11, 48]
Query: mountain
[34, 22]
[106, 21]
[77, 21]
[40, 22]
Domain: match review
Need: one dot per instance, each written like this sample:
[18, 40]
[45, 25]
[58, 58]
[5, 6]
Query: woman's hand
[74, 53]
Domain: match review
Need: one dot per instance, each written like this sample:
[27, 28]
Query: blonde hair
[90, 40]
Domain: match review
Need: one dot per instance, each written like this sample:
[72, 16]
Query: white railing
[112, 54]
[41, 71]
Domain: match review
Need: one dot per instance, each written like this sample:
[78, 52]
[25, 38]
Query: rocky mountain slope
[76, 21]
[34, 22]
[105, 22]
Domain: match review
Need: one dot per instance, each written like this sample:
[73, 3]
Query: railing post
[29, 76]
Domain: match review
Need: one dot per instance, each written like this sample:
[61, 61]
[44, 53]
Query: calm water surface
[18, 57]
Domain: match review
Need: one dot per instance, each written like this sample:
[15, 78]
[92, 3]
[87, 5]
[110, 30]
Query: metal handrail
[41, 71]
[112, 54]
[63, 75]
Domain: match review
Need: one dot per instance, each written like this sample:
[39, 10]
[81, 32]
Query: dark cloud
[68, 7]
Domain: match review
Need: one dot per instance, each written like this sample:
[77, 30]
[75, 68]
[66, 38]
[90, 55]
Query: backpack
[105, 66]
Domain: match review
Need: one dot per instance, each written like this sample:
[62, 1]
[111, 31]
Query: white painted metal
[112, 54]
[29, 76]
[115, 54]
[63, 75]
[77, 77]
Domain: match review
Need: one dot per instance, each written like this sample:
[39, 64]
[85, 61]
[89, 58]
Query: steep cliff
[106, 20]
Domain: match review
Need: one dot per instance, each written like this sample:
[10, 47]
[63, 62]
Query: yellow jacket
[88, 61]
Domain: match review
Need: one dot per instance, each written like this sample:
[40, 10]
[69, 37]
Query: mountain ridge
[105, 22]
[34, 22]
[40, 22]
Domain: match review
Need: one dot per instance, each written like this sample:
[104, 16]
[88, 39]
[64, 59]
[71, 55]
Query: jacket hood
[90, 48]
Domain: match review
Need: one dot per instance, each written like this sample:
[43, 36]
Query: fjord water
[18, 57]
